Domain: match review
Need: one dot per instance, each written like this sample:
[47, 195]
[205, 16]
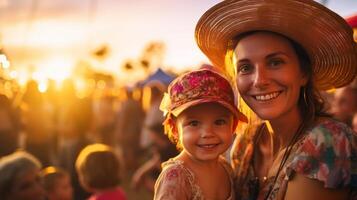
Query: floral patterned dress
[176, 181]
[327, 152]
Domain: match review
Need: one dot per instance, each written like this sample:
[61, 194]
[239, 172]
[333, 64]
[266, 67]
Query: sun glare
[4, 62]
[42, 86]
[57, 69]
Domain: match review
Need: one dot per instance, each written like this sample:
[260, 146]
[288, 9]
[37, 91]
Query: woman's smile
[267, 96]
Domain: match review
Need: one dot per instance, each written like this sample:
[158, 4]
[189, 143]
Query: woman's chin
[267, 115]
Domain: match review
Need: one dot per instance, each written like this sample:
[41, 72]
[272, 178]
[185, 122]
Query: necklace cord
[286, 155]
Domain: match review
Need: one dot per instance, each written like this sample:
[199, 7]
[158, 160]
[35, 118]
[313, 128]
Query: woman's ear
[304, 79]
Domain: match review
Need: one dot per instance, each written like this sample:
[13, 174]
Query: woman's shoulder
[325, 153]
[329, 136]
[328, 131]
[330, 126]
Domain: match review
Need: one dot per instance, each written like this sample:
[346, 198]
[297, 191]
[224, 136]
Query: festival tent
[158, 76]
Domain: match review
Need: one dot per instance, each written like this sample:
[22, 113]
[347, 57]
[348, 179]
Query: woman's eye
[244, 68]
[220, 122]
[276, 62]
[26, 185]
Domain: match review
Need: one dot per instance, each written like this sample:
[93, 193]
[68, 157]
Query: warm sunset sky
[48, 34]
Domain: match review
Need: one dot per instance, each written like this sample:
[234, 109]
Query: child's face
[205, 131]
[62, 190]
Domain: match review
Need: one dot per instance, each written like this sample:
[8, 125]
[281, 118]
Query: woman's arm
[301, 187]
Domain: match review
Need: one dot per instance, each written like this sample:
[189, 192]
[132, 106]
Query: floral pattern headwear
[193, 88]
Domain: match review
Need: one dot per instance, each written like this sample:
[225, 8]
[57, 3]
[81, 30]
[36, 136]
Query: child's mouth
[208, 146]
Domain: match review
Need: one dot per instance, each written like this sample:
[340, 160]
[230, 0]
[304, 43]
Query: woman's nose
[260, 78]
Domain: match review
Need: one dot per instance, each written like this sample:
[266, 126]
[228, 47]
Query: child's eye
[193, 123]
[220, 122]
[244, 68]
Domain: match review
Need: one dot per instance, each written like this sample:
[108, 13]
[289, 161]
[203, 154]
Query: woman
[280, 53]
[20, 177]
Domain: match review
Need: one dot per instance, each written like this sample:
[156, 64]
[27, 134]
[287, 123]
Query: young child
[99, 172]
[201, 117]
[57, 184]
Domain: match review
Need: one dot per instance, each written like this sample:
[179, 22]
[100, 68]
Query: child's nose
[207, 132]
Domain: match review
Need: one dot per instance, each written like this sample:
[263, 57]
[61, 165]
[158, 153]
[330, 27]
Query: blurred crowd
[51, 128]
[44, 135]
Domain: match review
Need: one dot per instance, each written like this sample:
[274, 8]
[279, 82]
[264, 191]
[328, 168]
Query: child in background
[201, 118]
[57, 184]
[99, 172]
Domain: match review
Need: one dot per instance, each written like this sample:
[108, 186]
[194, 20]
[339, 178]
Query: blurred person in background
[153, 93]
[9, 127]
[38, 124]
[74, 122]
[161, 150]
[20, 177]
[104, 119]
[57, 183]
[152, 137]
[128, 128]
[344, 104]
[354, 123]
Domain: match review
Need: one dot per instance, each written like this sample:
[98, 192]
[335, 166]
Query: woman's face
[27, 186]
[268, 75]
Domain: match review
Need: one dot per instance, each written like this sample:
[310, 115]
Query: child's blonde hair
[98, 167]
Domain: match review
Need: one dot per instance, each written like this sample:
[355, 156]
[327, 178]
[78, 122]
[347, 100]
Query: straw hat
[326, 37]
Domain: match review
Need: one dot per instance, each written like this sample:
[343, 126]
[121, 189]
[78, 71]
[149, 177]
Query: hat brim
[238, 115]
[325, 36]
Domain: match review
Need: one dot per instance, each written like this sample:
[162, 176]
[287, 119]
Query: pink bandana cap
[197, 87]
